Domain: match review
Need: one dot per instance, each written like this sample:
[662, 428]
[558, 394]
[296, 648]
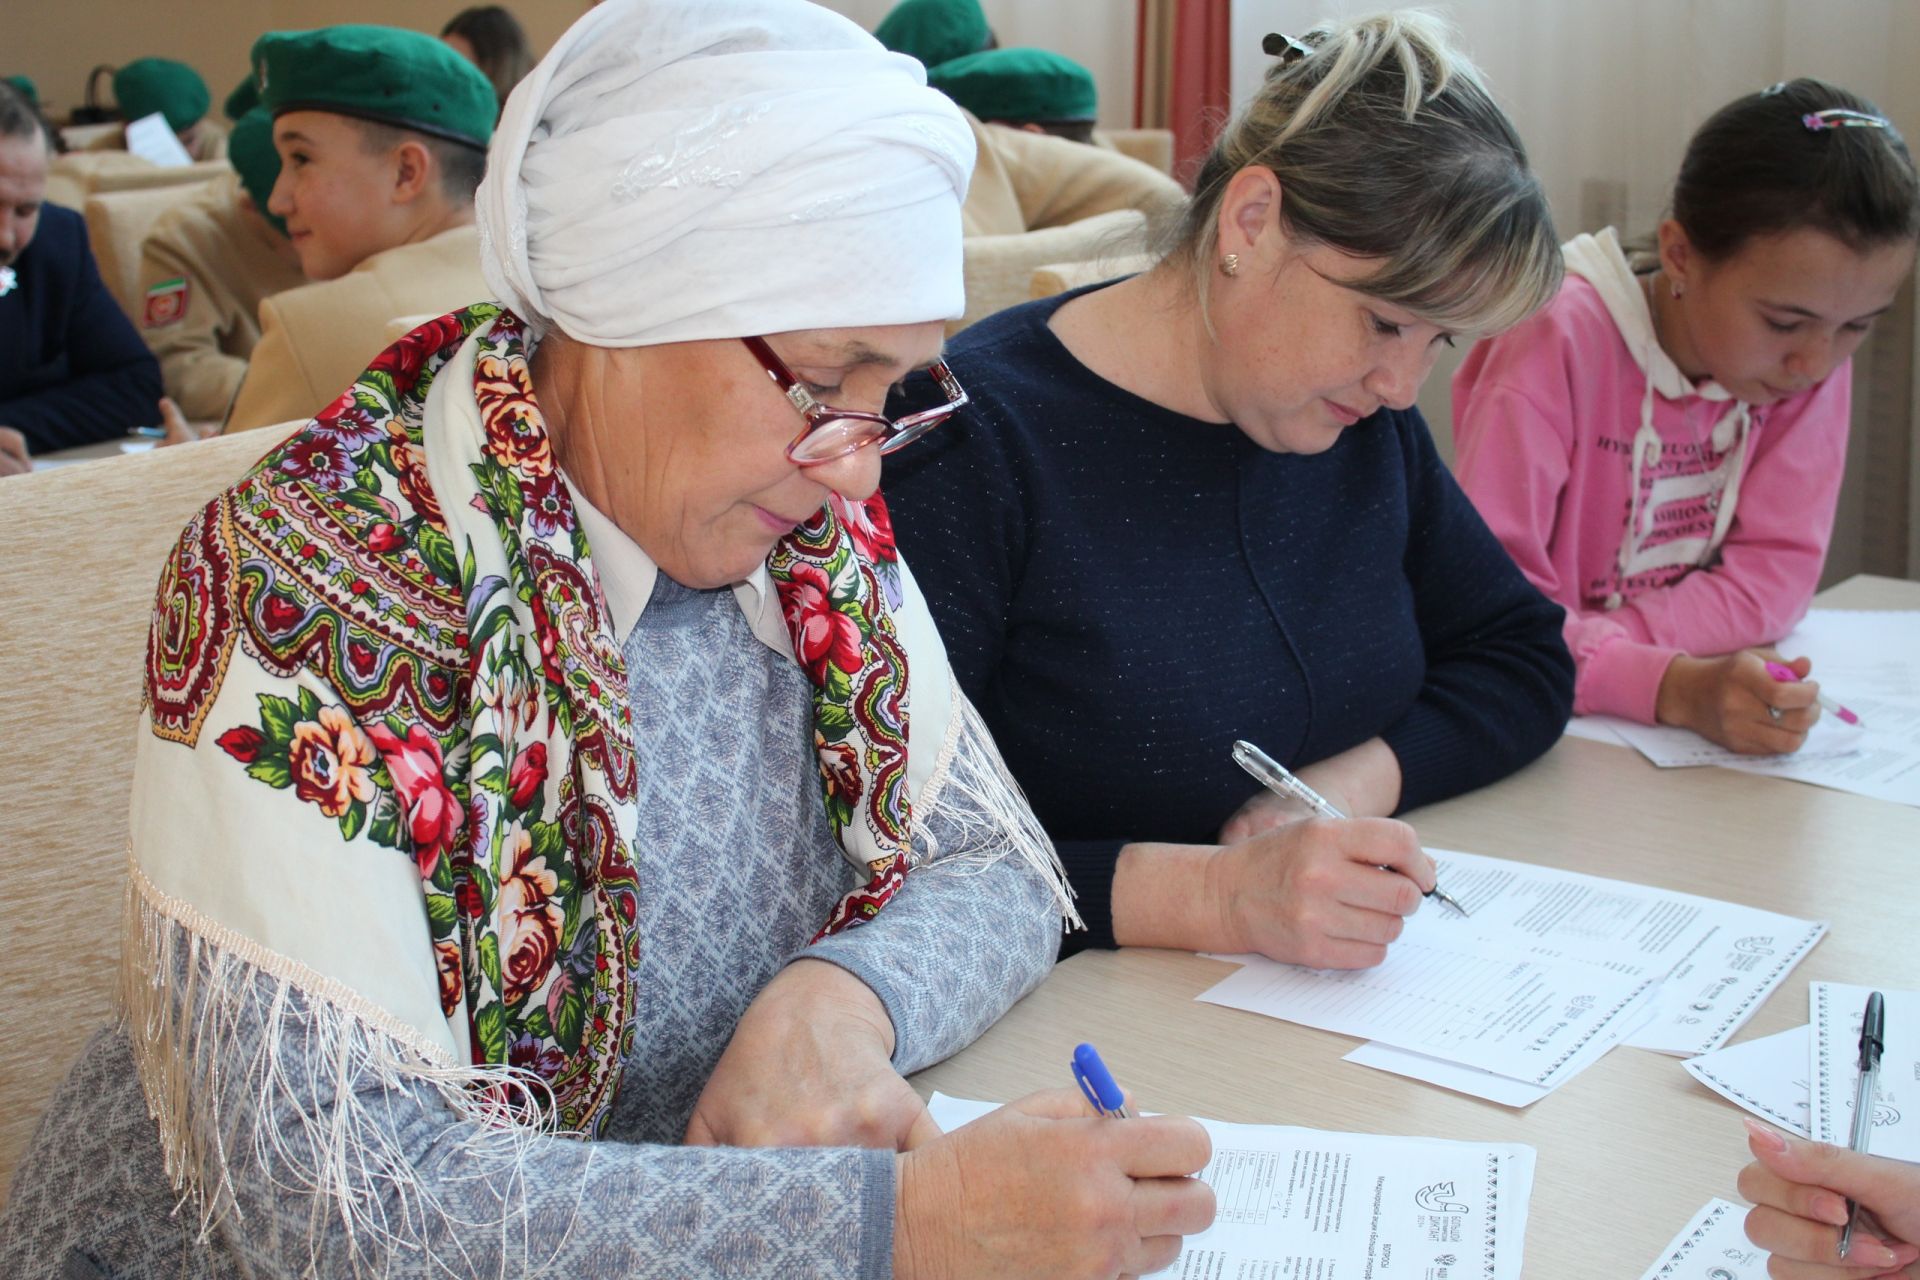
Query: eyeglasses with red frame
[833, 433]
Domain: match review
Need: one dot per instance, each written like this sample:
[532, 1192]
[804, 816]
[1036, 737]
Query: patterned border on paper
[1594, 1030]
[1740, 1095]
[1820, 996]
[1737, 1016]
[1690, 1237]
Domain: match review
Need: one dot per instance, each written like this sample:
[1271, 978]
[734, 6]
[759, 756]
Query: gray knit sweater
[738, 869]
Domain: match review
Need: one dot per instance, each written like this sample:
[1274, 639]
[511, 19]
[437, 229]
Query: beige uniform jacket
[315, 340]
[1029, 181]
[205, 267]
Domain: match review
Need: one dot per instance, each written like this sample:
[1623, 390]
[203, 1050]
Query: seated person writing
[72, 369]
[555, 828]
[1197, 505]
[382, 135]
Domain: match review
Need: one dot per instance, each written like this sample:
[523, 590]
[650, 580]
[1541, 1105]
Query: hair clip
[1285, 48]
[1776, 87]
[1843, 118]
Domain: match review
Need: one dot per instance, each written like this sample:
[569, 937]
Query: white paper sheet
[1717, 960]
[1485, 1084]
[1596, 728]
[1886, 767]
[1714, 1246]
[1483, 1005]
[1313, 1204]
[1672, 748]
[1767, 1076]
[1833, 1053]
[1860, 653]
[151, 138]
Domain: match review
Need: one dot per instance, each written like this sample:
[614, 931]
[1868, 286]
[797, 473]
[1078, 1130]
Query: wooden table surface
[1630, 1148]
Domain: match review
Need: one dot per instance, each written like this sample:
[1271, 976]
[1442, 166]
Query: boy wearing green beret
[382, 137]
[935, 31]
[174, 90]
[205, 268]
[1032, 89]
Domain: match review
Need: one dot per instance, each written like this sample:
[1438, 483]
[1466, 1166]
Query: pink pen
[1785, 675]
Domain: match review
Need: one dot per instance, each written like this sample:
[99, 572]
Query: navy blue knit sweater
[72, 369]
[1124, 590]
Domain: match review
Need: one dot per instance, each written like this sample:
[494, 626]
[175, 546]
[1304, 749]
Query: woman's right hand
[1313, 892]
[1799, 1191]
[1725, 700]
[1040, 1188]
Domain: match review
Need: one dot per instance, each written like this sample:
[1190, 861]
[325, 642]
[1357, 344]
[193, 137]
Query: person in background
[1800, 1191]
[72, 369]
[1031, 89]
[1661, 448]
[206, 266]
[490, 37]
[176, 91]
[1197, 505]
[935, 31]
[382, 136]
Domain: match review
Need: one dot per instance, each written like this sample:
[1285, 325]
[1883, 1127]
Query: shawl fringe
[316, 1117]
[987, 806]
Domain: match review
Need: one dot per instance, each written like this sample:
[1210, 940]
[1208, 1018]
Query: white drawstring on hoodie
[1600, 260]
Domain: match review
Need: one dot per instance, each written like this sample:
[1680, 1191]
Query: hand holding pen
[1275, 777]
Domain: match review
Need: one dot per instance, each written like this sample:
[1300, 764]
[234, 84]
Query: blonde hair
[1387, 146]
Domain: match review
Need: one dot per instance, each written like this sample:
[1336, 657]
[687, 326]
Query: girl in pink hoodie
[1661, 450]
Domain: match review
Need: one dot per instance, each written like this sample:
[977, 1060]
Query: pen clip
[1097, 1083]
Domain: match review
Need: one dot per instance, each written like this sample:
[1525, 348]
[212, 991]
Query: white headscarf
[682, 169]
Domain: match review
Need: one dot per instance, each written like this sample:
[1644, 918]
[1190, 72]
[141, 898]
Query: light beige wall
[58, 41]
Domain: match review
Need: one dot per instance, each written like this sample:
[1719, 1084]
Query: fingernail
[1831, 1209]
[1764, 1136]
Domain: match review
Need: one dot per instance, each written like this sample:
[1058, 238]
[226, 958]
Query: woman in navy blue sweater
[1196, 505]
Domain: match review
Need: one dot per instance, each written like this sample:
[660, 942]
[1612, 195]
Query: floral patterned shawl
[416, 657]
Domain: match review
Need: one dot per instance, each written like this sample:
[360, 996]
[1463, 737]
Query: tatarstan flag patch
[166, 303]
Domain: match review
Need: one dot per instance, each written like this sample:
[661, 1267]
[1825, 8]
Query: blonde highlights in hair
[1388, 147]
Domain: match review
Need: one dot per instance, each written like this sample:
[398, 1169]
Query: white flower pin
[7, 281]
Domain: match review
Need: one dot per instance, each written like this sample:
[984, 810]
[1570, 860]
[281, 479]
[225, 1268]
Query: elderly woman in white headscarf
[526, 737]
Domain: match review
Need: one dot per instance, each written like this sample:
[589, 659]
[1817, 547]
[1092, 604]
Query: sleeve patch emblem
[166, 303]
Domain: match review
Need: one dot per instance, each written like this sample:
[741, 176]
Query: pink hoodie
[1734, 503]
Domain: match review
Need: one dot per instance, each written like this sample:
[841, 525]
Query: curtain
[1183, 74]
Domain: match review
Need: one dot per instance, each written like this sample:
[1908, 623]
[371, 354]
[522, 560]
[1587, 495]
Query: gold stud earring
[1230, 264]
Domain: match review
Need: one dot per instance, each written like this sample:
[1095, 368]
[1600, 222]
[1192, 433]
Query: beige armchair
[1149, 146]
[999, 269]
[117, 224]
[83, 547]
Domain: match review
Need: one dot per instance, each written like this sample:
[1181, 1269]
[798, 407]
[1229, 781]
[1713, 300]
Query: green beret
[28, 89]
[174, 89]
[934, 31]
[381, 74]
[250, 152]
[1018, 85]
[244, 98]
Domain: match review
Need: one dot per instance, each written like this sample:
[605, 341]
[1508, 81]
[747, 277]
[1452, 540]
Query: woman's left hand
[811, 1065]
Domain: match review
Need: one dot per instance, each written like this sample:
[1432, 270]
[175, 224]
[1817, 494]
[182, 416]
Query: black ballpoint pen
[1873, 1038]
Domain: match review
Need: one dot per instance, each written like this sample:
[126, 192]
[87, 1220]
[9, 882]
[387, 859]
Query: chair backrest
[1149, 146]
[117, 224]
[1058, 277]
[999, 269]
[181, 175]
[80, 556]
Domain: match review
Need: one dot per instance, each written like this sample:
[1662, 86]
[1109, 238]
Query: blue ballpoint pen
[1873, 1039]
[1273, 775]
[1096, 1082]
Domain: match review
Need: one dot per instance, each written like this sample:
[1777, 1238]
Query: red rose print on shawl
[822, 633]
[434, 817]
